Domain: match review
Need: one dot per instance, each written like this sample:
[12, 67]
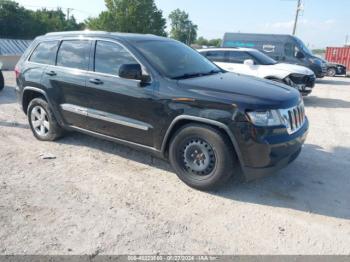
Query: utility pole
[347, 40]
[297, 17]
[68, 11]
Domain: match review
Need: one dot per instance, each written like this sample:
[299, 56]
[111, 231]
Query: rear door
[67, 80]
[43, 55]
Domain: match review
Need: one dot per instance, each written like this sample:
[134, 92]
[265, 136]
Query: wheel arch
[183, 120]
[29, 93]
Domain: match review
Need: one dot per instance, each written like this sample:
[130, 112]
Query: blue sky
[323, 22]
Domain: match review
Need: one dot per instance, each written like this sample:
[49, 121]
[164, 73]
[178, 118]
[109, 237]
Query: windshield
[176, 60]
[303, 47]
[262, 59]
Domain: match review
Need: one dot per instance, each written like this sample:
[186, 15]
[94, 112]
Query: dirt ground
[97, 197]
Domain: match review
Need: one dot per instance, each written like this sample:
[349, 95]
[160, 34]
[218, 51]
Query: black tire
[331, 72]
[2, 82]
[52, 131]
[215, 152]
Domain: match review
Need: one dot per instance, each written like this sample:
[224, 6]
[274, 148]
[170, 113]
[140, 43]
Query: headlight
[265, 118]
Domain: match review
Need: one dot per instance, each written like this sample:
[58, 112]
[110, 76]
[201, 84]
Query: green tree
[182, 28]
[202, 41]
[131, 16]
[15, 21]
[18, 22]
[205, 42]
[215, 42]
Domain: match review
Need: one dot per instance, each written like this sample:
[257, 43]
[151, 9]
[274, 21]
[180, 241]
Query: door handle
[96, 81]
[51, 73]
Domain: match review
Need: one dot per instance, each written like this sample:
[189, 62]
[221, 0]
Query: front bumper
[263, 152]
[341, 70]
[304, 83]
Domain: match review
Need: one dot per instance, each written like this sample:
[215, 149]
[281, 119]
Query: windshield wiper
[212, 72]
[192, 75]
[187, 75]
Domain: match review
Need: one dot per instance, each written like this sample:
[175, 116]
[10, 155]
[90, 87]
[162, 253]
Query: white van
[253, 62]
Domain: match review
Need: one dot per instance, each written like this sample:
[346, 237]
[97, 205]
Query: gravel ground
[97, 197]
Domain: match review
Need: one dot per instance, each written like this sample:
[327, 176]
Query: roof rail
[77, 32]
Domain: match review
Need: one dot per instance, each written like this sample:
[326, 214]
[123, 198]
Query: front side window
[45, 53]
[74, 54]
[175, 60]
[217, 56]
[238, 57]
[261, 59]
[110, 56]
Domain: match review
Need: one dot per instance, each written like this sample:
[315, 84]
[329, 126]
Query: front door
[119, 107]
[237, 58]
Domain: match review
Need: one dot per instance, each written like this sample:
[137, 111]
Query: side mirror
[131, 71]
[300, 55]
[248, 62]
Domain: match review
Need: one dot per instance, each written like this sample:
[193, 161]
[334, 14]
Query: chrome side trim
[74, 109]
[116, 119]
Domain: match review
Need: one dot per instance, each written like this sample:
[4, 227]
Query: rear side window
[238, 57]
[217, 56]
[45, 53]
[74, 54]
[110, 56]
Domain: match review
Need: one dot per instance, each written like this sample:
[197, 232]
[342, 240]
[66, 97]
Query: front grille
[293, 118]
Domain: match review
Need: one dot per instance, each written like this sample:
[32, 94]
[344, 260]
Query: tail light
[17, 71]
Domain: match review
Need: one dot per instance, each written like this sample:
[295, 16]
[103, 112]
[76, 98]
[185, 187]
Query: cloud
[288, 25]
[314, 33]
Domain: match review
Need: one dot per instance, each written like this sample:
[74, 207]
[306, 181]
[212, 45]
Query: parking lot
[82, 195]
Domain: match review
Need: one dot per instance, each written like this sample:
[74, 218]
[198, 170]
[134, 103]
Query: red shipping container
[339, 55]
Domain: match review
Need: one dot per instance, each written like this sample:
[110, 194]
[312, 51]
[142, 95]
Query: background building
[10, 52]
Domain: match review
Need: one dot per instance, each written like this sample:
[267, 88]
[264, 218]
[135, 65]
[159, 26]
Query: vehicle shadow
[112, 148]
[333, 81]
[317, 182]
[314, 101]
[7, 95]
[13, 124]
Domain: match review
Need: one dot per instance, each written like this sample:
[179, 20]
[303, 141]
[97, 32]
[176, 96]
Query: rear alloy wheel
[42, 121]
[202, 156]
[331, 72]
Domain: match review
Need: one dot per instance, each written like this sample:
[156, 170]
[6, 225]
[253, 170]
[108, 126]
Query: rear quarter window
[74, 54]
[45, 53]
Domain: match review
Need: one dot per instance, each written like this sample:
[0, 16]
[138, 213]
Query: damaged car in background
[255, 63]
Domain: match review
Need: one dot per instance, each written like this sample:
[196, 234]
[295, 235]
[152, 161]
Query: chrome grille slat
[294, 117]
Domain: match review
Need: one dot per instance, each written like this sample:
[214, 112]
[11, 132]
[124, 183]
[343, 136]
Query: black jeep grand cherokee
[159, 95]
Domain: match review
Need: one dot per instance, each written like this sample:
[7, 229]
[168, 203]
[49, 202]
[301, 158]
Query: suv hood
[292, 69]
[245, 91]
